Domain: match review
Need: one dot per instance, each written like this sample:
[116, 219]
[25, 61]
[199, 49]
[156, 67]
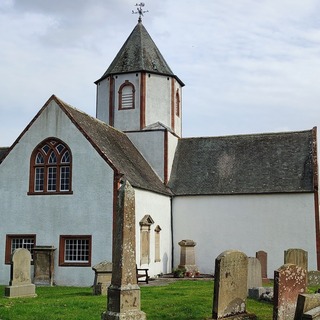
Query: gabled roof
[257, 163]
[114, 147]
[139, 53]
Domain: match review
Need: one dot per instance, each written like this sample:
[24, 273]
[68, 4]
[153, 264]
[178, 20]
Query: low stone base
[241, 316]
[313, 314]
[128, 315]
[22, 291]
[189, 267]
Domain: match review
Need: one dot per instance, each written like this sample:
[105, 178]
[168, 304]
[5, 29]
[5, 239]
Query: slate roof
[139, 53]
[116, 148]
[243, 164]
[3, 152]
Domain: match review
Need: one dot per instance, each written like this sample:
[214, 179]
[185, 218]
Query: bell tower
[139, 89]
[139, 93]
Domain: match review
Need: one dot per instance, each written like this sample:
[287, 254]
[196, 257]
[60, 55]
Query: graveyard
[185, 299]
[236, 291]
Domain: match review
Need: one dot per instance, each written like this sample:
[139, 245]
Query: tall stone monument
[230, 286]
[124, 293]
[20, 280]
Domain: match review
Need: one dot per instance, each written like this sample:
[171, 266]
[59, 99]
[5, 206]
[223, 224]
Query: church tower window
[50, 168]
[126, 96]
[177, 103]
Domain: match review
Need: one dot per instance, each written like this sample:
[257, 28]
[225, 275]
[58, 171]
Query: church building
[58, 180]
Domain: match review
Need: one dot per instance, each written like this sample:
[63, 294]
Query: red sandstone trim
[111, 101]
[143, 100]
[172, 104]
[316, 194]
[165, 157]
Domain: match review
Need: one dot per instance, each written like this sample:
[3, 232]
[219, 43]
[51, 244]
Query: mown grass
[186, 299]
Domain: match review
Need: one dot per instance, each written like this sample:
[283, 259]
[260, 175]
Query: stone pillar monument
[187, 255]
[124, 293]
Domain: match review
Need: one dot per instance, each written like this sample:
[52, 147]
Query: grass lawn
[186, 299]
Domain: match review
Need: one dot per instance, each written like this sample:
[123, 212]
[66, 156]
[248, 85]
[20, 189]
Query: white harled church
[58, 180]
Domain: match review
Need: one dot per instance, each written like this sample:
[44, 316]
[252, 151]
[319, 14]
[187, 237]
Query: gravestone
[123, 301]
[298, 257]
[230, 286]
[313, 278]
[102, 277]
[43, 259]
[289, 282]
[254, 273]
[187, 255]
[262, 256]
[305, 303]
[20, 280]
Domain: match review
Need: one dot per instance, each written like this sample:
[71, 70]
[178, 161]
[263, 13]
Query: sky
[249, 66]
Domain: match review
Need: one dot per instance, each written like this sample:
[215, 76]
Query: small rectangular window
[75, 251]
[16, 241]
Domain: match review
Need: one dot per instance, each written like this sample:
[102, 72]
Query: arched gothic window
[126, 95]
[50, 168]
[177, 103]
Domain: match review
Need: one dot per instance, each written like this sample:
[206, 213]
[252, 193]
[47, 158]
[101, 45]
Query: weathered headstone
[298, 257]
[187, 255]
[313, 278]
[254, 273]
[230, 286]
[102, 277]
[289, 282]
[43, 260]
[124, 293]
[305, 303]
[20, 280]
[263, 258]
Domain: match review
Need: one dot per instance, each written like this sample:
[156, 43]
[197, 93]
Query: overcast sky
[249, 66]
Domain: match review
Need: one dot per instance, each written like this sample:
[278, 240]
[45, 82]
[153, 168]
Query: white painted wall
[158, 207]
[128, 119]
[151, 145]
[172, 146]
[102, 100]
[87, 212]
[158, 99]
[248, 223]
[125, 120]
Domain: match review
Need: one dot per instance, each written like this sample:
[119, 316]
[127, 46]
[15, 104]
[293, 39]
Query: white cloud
[248, 66]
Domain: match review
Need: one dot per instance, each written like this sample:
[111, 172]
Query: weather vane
[140, 11]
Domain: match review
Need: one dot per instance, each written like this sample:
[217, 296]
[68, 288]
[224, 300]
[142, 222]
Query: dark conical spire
[139, 53]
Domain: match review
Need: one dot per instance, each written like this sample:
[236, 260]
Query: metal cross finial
[140, 10]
